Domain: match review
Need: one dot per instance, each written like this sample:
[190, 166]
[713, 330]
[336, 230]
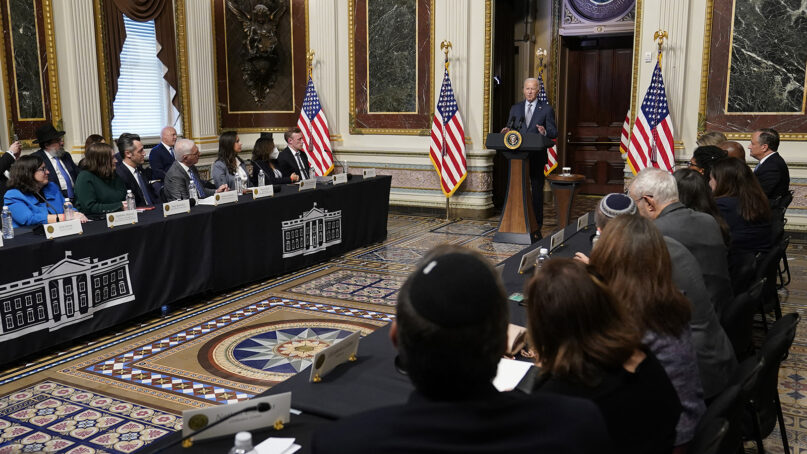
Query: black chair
[737, 319]
[768, 267]
[709, 437]
[163, 197]
[778, 221]
[720, 428]
[742, 269]
[784, 267]
[763, 403]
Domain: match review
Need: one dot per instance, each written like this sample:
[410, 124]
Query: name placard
[127, 217]
[528, 260]
[176, 207]
[556, 240]
[260, 192]
[60, 229]
[582, 222]
[305, 185]
[368, 173]
[277, 415]
[327, 359]
[340, 178]
[1, 240]
[225, 197]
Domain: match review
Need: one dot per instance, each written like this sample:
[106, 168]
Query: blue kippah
[454, 290]
[614, 204]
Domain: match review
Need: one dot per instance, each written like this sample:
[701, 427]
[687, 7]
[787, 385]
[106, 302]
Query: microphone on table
[187, 441]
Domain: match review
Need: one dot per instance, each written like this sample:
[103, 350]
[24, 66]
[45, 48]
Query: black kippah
[454, 290]
[614, 204]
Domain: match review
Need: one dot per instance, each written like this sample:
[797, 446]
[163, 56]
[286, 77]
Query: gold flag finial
[540, 54]
[660, 36]
[309, 61]
[445, 46]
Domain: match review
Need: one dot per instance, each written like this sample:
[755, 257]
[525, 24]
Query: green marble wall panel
[768, 57]
[27, 73]
[392, 55]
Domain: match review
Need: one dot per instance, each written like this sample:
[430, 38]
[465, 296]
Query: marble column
[78, 71]
[201, 72]
[323, 40]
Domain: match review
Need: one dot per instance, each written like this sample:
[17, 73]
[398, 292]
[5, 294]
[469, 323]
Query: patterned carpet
[125, 389]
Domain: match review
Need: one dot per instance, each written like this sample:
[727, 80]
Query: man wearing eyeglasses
[655, 193]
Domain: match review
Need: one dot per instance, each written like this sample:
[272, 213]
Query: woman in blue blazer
[31, 198]
[229, 166]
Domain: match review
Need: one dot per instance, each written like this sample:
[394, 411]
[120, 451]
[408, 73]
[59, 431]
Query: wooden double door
[594, 84]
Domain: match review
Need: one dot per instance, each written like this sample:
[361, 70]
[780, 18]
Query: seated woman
[744, 206]
[262, 160]
[98, 188]
[694, 193]
[587, 347]
[30, 198]
[703, 157]
[633, 258]
[228, 165]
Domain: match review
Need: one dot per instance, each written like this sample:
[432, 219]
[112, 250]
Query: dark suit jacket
[288, 165]
[160, 160]
[6, 160]
[67, 163]
[501, 422]
[131, 183]
[270, 177]
[177, 180]
[543, 115]
[774, 176]
[699, 233]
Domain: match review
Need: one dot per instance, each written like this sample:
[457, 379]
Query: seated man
[734, 149]
[130, 170]
[450, 331]
[655, 193]
[183, 172]
[161, 156]
[771, 172]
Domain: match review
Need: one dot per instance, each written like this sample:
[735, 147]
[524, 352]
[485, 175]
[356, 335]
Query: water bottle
[261, 178]
[130, 200]
[543, 256]
[237, 187]
[8, 226]
[68, 211]
[192, 191]
[243, 443]
[345, 168]
[595, 239]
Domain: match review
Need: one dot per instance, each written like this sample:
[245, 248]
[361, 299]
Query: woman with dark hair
[31, 198]
[743, 204]
[228, 165]
[633, 258]
[91, 139]
[703, 157]
[694, 193]
[587, 347]
[98, 188]
[262, 160]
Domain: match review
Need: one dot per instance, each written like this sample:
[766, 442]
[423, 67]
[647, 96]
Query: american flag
[314, 126]
[624, 138]
[651, 143]
[552, 153]
[448, 140]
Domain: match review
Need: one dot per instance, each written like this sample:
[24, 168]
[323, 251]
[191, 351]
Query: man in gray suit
[656, 196]
[183, 172]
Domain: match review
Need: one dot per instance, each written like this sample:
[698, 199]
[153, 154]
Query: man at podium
[534, 116]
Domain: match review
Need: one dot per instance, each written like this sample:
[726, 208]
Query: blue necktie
[171, 150]
[195, 180]
[143, 188]
[66, 176]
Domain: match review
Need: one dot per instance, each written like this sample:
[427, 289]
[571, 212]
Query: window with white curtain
[142, 104]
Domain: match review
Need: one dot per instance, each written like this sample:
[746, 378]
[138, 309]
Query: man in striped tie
[532, 116]
[293, 159]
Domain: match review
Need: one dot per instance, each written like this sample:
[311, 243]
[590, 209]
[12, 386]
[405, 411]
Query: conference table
[373, 380]
[55, 291]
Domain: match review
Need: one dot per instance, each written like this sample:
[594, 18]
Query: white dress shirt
[62, 181]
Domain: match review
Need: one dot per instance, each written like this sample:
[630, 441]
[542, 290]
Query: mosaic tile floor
[124, 390]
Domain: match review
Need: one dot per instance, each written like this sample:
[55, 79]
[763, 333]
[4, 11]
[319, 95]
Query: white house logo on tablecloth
[64, 293]
[311, 232]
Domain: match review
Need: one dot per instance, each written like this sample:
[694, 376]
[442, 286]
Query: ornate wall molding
[584, 17]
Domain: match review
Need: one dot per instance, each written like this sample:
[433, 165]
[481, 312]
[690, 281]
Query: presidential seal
[50, 229]
[218, 197]
[512, 139]
[197, 422]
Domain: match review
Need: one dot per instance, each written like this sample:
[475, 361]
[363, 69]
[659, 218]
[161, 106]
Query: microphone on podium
[187, 441]
[520, 123]
[510, 122]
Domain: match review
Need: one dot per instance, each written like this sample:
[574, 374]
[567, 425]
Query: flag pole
[445, 46]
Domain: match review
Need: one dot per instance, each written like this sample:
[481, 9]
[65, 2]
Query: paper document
[274, 445]
[207, 201]
[510, 373]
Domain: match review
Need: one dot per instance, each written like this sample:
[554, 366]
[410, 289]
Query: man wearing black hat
[451, 331]
[63, 170]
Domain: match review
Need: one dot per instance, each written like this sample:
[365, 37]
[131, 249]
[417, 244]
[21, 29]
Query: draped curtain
[141, 11]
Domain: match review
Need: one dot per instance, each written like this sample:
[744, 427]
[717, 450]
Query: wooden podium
[518, 224]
